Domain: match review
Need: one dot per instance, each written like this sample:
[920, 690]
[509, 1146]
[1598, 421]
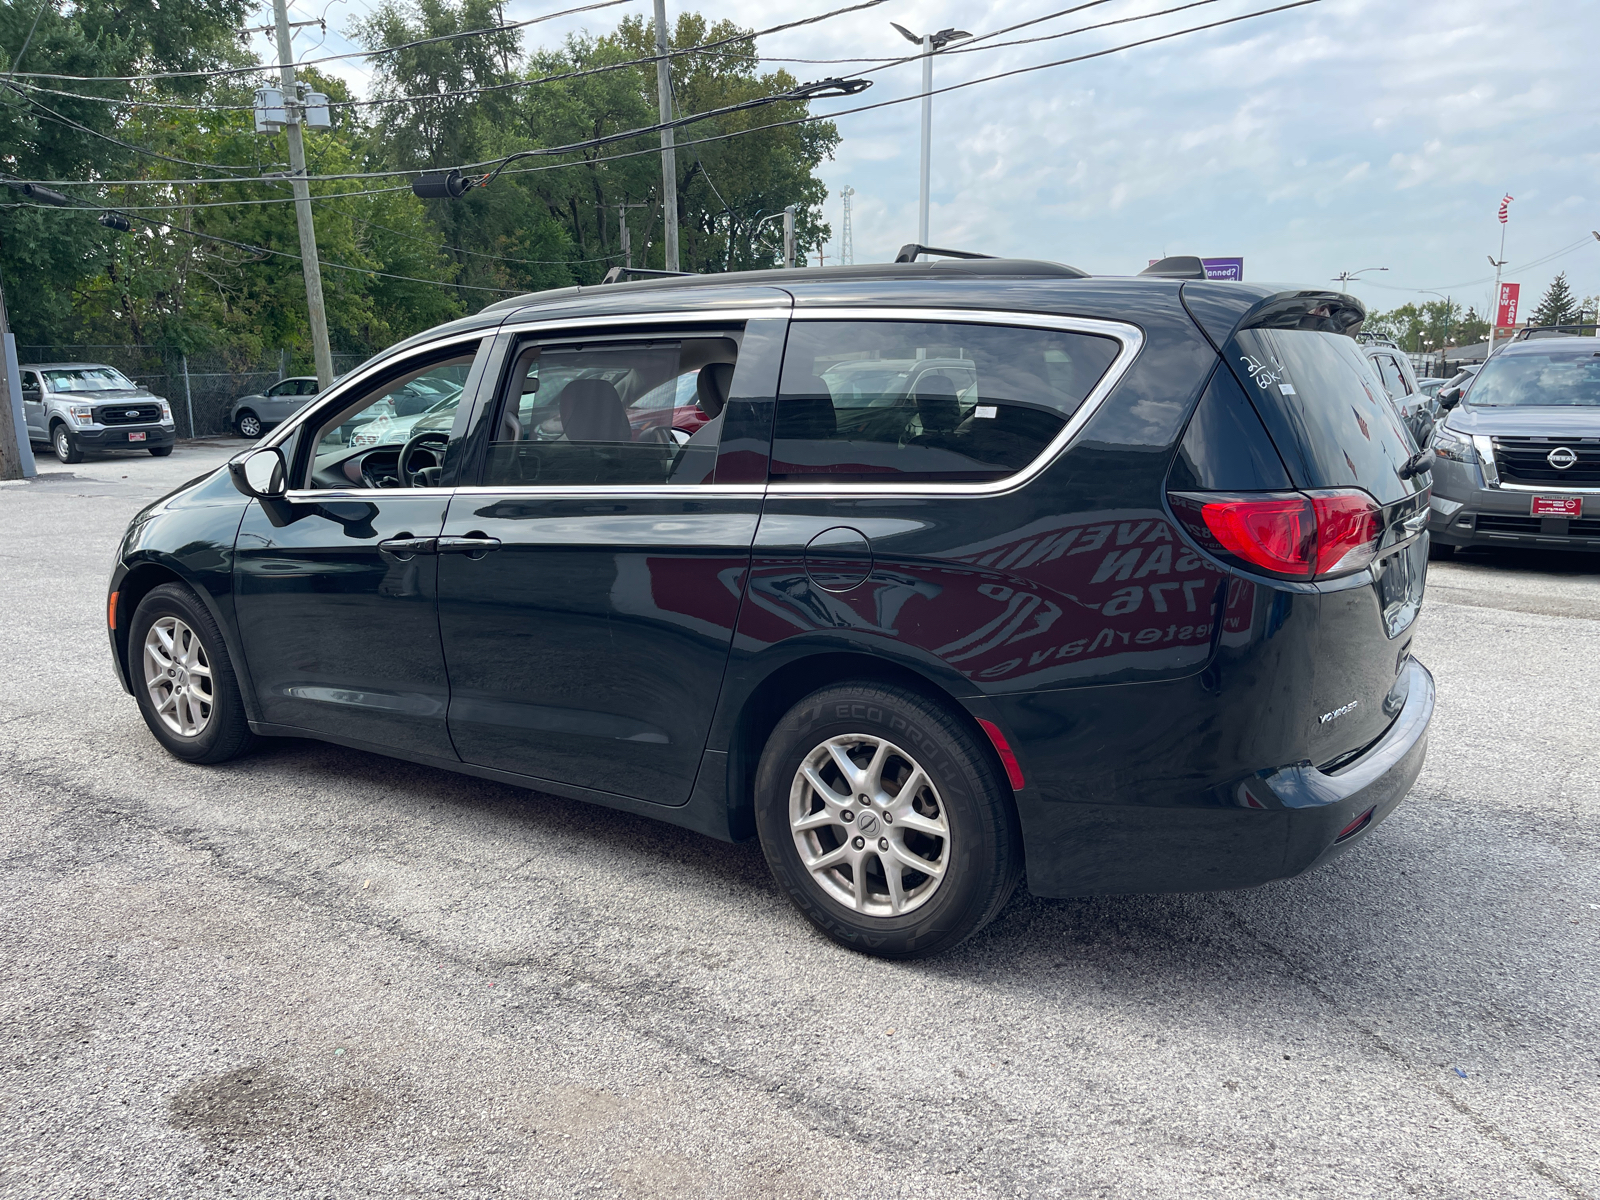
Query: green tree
[1559, 306]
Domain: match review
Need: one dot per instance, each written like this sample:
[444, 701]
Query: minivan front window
[1538, 381]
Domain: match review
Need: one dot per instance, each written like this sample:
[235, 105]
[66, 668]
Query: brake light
[1302, 536]
[1349, 528]
[1277, 535]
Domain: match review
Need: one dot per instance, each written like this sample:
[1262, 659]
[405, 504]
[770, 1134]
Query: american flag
[1505, 209]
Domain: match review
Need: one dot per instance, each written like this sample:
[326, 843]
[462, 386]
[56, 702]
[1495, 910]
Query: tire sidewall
[65, 449]
[171, 600]
[960, 904]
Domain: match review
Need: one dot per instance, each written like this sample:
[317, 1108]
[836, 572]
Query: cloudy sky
[1343, 135]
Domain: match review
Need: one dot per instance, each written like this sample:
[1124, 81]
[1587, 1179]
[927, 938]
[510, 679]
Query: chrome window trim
[717, 315]
[318, 495]
[1130, 338]
[632, 491]
[360, 376]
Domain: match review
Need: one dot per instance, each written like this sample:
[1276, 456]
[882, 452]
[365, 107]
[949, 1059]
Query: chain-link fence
[200, 387]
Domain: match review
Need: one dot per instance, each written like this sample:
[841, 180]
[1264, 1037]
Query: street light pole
[321, 351]
[927, 138]
[669, 153]
[931, 43]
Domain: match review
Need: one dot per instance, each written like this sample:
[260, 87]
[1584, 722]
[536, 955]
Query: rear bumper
[1276, 824]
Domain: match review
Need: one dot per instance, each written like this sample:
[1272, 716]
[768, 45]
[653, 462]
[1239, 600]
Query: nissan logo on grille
[1562, 457]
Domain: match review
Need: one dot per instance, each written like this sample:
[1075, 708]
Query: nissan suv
[1115, 578]
[88, 406]
[1517, 458]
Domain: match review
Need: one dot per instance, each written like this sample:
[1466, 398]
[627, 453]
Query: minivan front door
[335, 587]
[590, 586]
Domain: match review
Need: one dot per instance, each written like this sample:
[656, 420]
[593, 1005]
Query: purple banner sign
[1224, 268]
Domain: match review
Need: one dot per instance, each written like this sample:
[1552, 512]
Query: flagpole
[1494, 323]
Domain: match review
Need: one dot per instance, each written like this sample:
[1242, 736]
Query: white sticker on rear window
[1286, 388]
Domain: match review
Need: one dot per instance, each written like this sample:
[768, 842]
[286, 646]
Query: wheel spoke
[915, 861]
[833, 858]
[816, 820]
[846, 765]
[860, 881]
[896, 884]
[917, 823]
[820, 786]
[872, 773]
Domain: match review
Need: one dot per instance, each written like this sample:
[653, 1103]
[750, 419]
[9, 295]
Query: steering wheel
[410, 478]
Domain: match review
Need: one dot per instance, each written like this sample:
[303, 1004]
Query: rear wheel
[184, 682]
[160, 451]
[66, 446]
[885, 821]
[247, 425]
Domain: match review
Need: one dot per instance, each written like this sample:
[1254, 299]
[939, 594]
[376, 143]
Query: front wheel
[185, 685]
[248, 425]
[886, 821]
[160, 451]
[66, 447]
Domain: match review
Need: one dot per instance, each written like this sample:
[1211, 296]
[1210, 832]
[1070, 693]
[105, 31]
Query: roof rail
[617, 274]
[910, 251]
[1524, 334]
[1378, 339]
[1177, 266]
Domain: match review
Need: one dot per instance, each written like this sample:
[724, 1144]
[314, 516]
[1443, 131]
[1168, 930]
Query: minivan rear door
[1335, 427]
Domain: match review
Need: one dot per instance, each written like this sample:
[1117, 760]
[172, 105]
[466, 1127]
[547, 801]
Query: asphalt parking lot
[316, 972]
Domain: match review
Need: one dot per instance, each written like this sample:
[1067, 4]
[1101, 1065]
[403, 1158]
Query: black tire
[1440, 550]
[160, 451]
[65, 445]
[226, 734]
[248, 425]
[983, 851]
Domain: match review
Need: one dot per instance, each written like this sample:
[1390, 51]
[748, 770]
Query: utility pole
[931, 44]
[669, 155]
[624, 238]
[847, 245]
[309, 263]
[788, 236]
[16, 456]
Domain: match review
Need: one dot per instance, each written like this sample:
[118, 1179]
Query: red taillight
[1349, 527]
[1277, 534]
[1303, 536]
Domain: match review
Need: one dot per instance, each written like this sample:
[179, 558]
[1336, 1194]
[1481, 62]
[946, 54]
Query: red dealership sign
[1510, 293]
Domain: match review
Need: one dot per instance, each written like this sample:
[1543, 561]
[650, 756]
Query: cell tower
[847, 247]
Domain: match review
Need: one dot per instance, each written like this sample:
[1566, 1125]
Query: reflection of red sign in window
[1510, 293]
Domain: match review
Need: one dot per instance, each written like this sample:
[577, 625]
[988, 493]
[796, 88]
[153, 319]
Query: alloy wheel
[869, 825]
[249, 427]
[177, 676]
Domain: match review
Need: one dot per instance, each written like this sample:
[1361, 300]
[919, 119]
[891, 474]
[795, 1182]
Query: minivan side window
[903, 401]
[637, 412]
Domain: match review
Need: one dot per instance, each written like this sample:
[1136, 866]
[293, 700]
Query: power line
[223, 72]
[574, 147]
[260, 250]
[510, 85]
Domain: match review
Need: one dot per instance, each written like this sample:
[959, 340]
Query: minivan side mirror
[261, 474]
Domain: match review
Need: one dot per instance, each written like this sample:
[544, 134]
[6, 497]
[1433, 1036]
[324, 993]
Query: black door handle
[405, 545]
[474, 544]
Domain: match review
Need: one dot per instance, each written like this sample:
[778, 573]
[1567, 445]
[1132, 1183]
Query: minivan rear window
[1326, 409]
[902, 401]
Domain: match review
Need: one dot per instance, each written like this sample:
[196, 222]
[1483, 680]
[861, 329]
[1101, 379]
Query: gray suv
[88, 406]
[252, 415]
[1400, 381]
[1517, 459]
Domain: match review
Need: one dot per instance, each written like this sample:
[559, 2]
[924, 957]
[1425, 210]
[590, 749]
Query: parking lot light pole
[931, 44]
